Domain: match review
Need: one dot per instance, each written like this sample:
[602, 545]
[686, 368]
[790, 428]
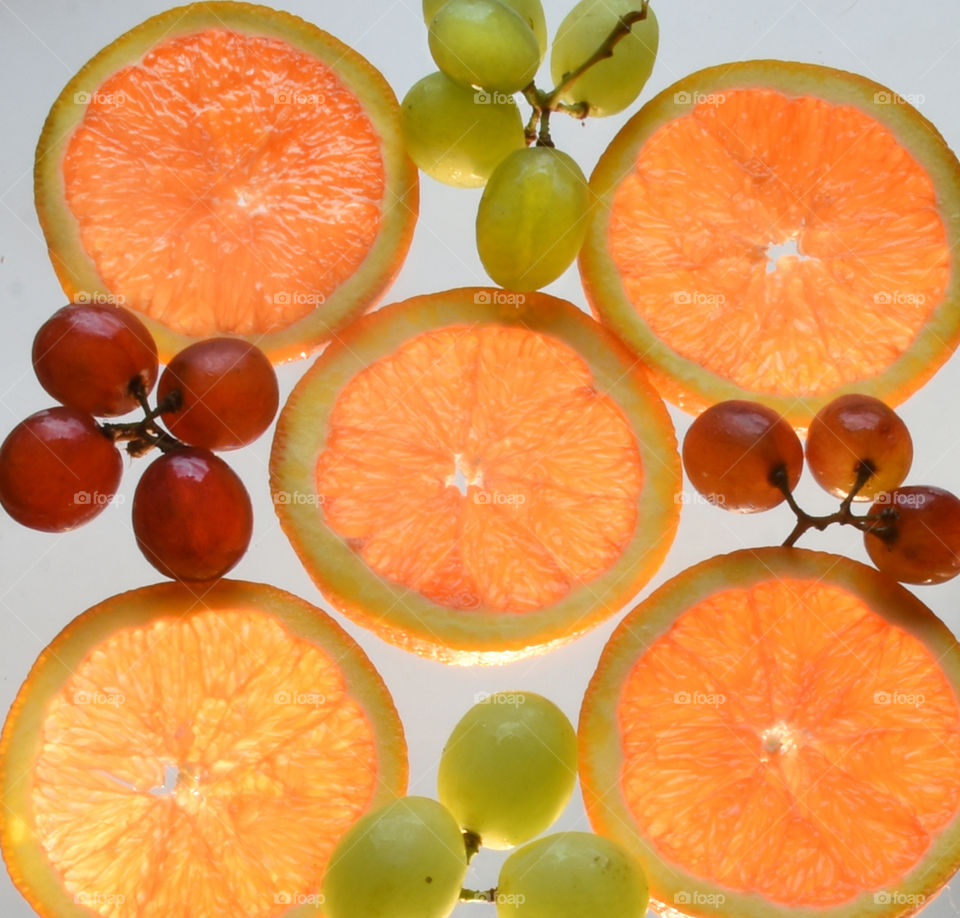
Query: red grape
[733, 450]
[921, 540]
[58, 470]
[854, 431]
[89, 356]
[192, 515]
[229, 393]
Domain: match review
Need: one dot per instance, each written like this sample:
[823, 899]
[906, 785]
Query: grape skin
[484, 43]
[457, 135]
[570, 875]
[612, 84]
[530, 10]
[509, 768]
[58, 470]
[406, 860]
[532, 218]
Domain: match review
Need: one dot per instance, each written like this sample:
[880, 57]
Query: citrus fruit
[170, 753]
[775, 733]
[778, 232]
[477, 475]
[225, 168]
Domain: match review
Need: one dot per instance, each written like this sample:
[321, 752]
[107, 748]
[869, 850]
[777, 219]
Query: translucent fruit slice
[477, 475]
[168, 754]
[779, 232]
[776, 732]
[225, 168]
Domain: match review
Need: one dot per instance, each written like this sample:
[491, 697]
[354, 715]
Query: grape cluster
[744, 457]
[506, 773]
[462, 125]
[192, 516]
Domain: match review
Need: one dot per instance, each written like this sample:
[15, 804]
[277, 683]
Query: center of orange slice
[200, 765]
[225, 158]
[479, 465]
[786, 740]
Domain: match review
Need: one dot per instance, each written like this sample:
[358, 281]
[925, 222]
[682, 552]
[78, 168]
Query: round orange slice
[173, 754]
[779, 232]
[477, 476]
[225, 168]
[776, 733]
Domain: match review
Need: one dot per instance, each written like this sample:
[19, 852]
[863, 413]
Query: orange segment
[197, 753]
[476, 481]
[470, 505]
[781, 232]
[227, 169]
[787, 732]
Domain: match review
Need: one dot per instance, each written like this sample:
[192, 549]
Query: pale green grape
[484, 43]
[569, 875]
[509, 767]
[404, 860]
[458, 135]
[532, 218]
[531, 10]
[612, 84]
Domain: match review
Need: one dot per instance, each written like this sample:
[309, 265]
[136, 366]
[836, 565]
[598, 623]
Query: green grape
[404, 860]
[569, 875]
[484, 43]
[532, 218]
[509, 768]
[457, 135]
[531, 10]
[612, 84]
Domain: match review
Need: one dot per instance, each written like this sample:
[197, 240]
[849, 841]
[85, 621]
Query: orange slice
[169, 754]
[477, 476]
[225, 168]
[778, 232]
[776, 733]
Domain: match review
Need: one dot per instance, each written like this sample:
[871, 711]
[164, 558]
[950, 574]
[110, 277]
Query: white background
[45, 580]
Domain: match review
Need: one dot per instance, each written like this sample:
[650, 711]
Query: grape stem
[144, 435]
[881, 525]
[478, 895]
[472, 843]
[544, 103]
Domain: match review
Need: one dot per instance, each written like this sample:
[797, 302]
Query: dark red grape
[88, 357]
[855, 430]
[58, 470]
[229, 393]
[920, 542]
[192, 515]
[731, 451]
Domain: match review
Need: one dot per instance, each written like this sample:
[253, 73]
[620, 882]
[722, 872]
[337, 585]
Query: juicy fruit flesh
[827, 735]
[702, 245]
[175, 757]
[248, 183]
[457, 464]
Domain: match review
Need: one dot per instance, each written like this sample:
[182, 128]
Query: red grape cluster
[745, 457]
[192, 516]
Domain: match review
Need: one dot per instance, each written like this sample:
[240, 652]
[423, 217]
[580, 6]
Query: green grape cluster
[506, 773]
[462, 124]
